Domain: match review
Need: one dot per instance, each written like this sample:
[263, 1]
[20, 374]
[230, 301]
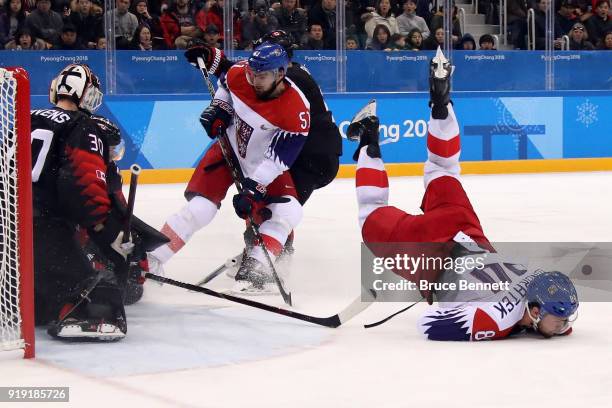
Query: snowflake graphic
[587, 113]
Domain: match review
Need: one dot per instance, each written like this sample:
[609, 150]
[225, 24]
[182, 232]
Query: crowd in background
[370, 24]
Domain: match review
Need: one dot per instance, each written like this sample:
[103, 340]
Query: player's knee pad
[285, 217]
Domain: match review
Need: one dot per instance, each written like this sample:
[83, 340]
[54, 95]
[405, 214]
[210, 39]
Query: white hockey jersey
[479, 314]
[266, 135]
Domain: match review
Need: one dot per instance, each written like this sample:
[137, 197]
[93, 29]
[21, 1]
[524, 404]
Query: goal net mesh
[10, 318]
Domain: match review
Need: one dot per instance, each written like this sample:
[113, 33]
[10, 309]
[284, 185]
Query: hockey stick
[238, 177]
[134, 173]
[228, 264]
[356, 306]
[368, 326]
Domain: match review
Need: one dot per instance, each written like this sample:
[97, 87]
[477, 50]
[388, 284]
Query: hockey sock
[180, 227]
[372, 184]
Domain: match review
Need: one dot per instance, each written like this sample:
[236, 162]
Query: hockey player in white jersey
[545, 302]
[267, 119]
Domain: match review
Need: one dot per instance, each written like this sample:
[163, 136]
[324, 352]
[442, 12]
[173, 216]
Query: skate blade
[104, 332]
[247, 289]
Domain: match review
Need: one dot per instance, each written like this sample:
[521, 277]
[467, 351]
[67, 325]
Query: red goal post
[16, 236]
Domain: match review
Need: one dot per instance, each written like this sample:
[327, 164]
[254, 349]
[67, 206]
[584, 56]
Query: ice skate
[254, 279]
[364, 128]
[440, 71]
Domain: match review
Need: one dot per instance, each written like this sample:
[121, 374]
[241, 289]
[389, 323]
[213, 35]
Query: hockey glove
[214, 59]
[216, 118]
[253, 200]
[122, 248]
[109, 237]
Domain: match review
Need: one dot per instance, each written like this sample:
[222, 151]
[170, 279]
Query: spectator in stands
[178, 24]
[424, 8]
[381, 41]
[141, 10]
[45, 23]
[540, 24]
[577, 37]
[486, 42]
[600, 23]
[143, 39]
[517, 22]
[315, 39]
[61, 7]
[584, 9]
[258, 22]
[96, 8]
[26, 40]
[324, 15]
[12, 19]
[414, 40]
[352, 43]
[437, 21]
[434, 41]
[382, 15]
[409, 20]
[566, 16]
[125, 24]
[88, 26]
[211, 36]
[292, 20]
[101, 43]
[606, 44]
[214, 15]
[398, 42]
[69, 39]
[467, 43]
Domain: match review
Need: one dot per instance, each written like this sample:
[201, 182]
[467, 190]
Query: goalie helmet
[78, 83]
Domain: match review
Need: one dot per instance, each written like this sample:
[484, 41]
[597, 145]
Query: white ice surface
[190, 350]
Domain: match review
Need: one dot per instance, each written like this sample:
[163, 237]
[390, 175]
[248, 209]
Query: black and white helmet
[79, 83]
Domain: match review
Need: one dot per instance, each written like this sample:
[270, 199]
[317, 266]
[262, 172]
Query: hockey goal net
[16, 265]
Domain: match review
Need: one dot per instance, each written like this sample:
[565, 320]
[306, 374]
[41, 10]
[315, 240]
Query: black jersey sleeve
[324, 136]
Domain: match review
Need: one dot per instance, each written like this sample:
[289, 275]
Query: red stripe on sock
[272, 244]
[443, 148]
[176, 242]
[371, 177]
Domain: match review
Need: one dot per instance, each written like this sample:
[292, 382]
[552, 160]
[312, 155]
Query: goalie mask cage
[16, 247]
